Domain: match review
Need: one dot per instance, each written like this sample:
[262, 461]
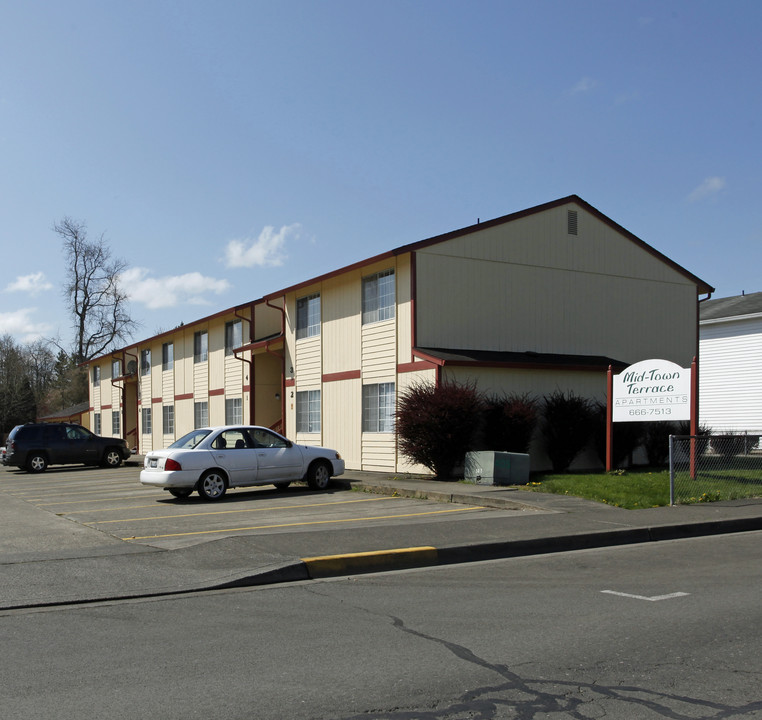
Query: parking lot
[113, 501]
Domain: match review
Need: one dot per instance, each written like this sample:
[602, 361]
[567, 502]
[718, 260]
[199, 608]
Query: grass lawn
[633, 490]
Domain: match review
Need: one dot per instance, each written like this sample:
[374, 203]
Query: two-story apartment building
[539, 300]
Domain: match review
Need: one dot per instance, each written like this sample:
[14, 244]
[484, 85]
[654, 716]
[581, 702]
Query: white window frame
[308, 316]
[378, 407]
[200, 414]
[96, 377]
[116, 423]
[145, 362]
[379, 297]
[200, 346]
[116, 369]
[233, 336]
[168, 419]
[308, 411]
[233, 411]
[97, 423]
[146, 421]
[168, 356]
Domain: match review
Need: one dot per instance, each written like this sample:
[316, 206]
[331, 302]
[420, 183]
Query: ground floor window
[168, 419]
[201, 414]
[145, 418]
[116, 428]
[378, 407]
[233, 411]
[308, 411]
[97, 423]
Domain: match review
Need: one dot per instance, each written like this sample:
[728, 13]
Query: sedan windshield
[192, 439]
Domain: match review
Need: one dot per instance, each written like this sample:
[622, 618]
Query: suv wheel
[112, 458]
[36, 463]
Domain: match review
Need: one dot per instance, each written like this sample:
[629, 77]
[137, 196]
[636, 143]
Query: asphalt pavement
[46, 560]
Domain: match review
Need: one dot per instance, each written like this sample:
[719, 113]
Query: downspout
[282, 360]
[137, 413]
[250, 363]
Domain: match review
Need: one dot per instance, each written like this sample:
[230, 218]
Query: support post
[694, 415]
[609, 420]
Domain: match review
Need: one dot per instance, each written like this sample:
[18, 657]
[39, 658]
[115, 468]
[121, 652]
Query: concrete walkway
[47, 560]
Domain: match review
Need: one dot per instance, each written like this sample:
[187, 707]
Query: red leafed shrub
[509, 421]
[436, 424]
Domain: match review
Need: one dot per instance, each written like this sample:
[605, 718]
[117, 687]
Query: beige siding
[528, 286]
[379, 357]
[308, 363]
[379, 453]
[340, 307]
[342, 421]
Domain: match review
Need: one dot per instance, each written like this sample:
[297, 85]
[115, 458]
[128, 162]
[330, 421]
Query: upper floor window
[116, 368]
[233, 336]
[378, 297]
[96, 375]
[200, 346]
[167, 356]
[145, 362]
[308, 316]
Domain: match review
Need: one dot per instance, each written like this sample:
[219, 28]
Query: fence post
[671, 471]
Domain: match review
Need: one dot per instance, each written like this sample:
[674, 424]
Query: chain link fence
[708, 468]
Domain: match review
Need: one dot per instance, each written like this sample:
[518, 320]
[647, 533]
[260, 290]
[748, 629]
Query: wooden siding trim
[218, 391]
[337, 376]
[415, 366]
[186, 396]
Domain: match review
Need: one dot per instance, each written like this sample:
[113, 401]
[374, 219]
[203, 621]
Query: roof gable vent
[571, 222]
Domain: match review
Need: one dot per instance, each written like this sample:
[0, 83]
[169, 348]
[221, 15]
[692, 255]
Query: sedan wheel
[318, 476]
[212, 485]
[36, 463]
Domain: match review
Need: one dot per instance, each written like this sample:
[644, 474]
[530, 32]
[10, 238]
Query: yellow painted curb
[330, 565]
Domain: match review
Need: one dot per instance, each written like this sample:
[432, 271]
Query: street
[665, 630]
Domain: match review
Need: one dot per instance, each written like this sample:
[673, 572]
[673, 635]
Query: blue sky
[229, 149]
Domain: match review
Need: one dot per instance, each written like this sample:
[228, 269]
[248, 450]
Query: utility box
[489, 467]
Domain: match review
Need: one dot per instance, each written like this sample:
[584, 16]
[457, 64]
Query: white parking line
[654, 598]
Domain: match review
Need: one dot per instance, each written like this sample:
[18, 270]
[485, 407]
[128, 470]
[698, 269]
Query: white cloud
[265, 250]
[18, 323]
[171, 290]
[584, 85]
[711, 186]
[32, 284]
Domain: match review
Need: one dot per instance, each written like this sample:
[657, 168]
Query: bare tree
[98, 306]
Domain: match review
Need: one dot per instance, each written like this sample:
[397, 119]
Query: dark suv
[34, 446]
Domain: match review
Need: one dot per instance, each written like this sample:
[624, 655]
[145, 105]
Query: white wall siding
[730, 376]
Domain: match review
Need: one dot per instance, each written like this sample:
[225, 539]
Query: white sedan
[211, 460]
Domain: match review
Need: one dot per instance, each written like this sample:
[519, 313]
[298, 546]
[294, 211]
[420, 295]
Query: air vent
[571, 222]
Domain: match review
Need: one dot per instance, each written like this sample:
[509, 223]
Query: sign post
[651, 390]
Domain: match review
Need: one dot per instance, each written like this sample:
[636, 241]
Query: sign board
[652, 390]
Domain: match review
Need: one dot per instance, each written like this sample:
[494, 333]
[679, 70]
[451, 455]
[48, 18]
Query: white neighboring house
[730, 378]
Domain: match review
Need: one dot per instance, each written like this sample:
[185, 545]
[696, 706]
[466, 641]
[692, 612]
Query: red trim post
[609, 420]
[694, 415]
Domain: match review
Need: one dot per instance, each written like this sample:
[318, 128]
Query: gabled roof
[701, 286]
[731, 307]
[67, 413]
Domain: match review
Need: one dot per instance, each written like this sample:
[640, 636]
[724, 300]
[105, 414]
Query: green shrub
[568, 421]
[509, 421]
[436, 424]
[656, 441]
